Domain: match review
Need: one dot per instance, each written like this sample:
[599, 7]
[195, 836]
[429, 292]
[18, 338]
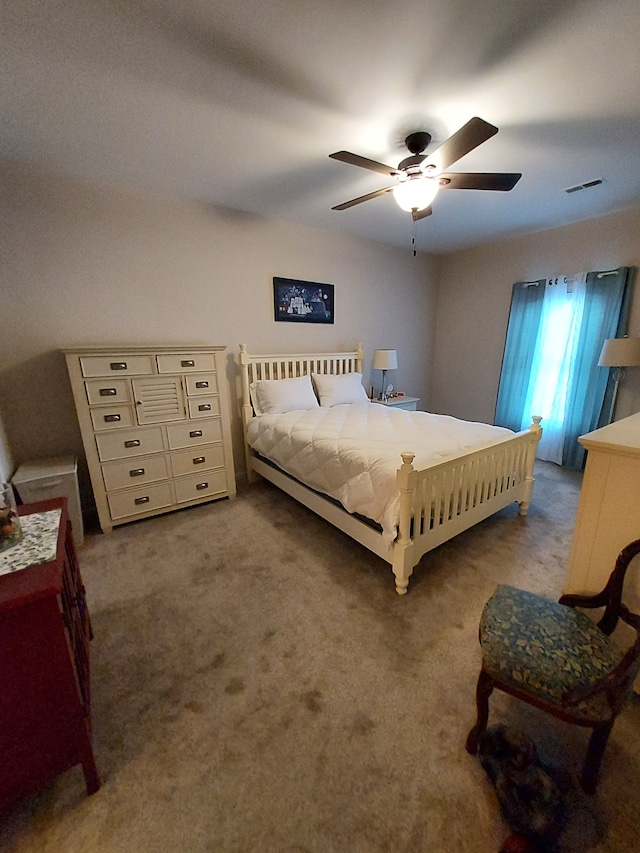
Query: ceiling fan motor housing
[411, 165]
[417, 142]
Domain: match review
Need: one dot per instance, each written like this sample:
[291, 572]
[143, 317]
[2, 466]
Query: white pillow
[334, 390]
[276, 396]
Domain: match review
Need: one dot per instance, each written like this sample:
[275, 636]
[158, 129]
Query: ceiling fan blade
[473, 133]
[502, 181]
[361, 198]
[357, 160]
[420, 214]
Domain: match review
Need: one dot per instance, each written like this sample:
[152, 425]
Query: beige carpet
[259, 686]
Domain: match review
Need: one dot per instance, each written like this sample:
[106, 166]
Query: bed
[398, 482]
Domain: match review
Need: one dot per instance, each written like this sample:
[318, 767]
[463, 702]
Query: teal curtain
[601, 313]
[522, 333]
[605, 315]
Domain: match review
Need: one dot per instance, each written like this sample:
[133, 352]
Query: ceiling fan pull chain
[413, 238]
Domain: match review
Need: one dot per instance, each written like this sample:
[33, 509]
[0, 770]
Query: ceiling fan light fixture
[417, 193]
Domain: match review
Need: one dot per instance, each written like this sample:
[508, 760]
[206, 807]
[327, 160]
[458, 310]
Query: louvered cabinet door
[159, 399]
[138, 410]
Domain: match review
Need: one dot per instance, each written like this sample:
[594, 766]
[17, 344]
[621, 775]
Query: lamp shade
[385, 359]
[620, 352]
[415, 194]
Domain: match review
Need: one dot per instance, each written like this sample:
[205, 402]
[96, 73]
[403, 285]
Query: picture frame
[296, 301]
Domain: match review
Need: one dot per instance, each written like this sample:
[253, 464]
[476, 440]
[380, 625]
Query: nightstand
[408, 403]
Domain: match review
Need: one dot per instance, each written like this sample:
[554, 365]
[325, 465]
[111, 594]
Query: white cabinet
[608, 510]
[408, 403]
[44, 479]
[155, 427]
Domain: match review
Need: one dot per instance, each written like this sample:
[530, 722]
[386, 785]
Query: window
[555, 334]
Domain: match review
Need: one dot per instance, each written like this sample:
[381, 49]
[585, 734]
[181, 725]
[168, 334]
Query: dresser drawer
[107, 391]
[206, 383]
[133, 472]
[116, 365]
[200, 459]
[186, 362]
[112, 417]
[208, 483]
[204, 407]
[194, 433]
[125, 443]
[124, 504]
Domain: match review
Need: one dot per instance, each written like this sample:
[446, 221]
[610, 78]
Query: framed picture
[302, 301]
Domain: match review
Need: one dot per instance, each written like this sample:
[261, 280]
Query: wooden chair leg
[593, 760]
[484, 689]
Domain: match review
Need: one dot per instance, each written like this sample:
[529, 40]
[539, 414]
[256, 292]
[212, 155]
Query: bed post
[402, 547]
[247, 409]
[359, 358]
[529, 479]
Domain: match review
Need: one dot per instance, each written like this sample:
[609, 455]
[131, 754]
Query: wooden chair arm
[611, 596]
[588, 601]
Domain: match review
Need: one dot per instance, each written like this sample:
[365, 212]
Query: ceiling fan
[420, 176]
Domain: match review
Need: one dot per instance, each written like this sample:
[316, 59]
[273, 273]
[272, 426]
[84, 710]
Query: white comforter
[352, 452]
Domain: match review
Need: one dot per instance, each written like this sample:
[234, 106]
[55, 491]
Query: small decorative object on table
[10, 529]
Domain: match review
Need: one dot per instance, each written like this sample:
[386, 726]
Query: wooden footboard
[436, 503]
[439, 502]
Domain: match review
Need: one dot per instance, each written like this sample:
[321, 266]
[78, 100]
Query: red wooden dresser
[45, 702]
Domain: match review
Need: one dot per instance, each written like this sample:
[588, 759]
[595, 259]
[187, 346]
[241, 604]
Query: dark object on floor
[554, 657]
[517, 843]
[530, 800]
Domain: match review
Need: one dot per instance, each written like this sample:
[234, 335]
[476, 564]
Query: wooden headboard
[290, 366]
[255, 367]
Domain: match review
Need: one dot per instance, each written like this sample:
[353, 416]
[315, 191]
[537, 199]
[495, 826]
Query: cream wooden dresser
[609, 508]
[155, 427]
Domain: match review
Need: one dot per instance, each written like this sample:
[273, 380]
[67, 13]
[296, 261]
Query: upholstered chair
[555, 657]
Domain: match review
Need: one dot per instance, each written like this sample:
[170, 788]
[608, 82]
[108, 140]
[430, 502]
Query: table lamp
[384, 359]
[619, 353]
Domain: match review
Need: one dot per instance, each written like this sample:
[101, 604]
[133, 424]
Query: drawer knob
[118, 365]
[144, 500]
[108, 392]
[198, 460]
[196, 433]
[188, 362]
[202, 486]
[135, 442]
[202, 384]
[112, 419]
[136, 472]
[205, 407]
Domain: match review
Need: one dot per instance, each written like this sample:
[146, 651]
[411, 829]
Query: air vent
[584, 186]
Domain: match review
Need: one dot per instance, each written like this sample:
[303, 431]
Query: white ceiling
[239, 103]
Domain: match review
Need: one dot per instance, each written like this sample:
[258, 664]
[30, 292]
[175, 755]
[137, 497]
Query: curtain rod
[568, 280]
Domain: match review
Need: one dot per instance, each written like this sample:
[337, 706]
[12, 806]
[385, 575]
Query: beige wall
[474, 292]
[88, 264]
